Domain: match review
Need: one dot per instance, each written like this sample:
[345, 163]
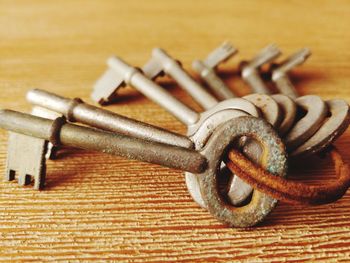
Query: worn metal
[280, 72]
[260, 205]
[334, 126]
[26, 160]
[51, 152]
[174, 69]
[316, 112]
[289, 112]
[107, 142]
[251, 69]
[150, 89]
[206, 70]
[78, 111]
[269, 108]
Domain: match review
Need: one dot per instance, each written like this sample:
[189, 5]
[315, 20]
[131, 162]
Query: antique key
[329, 128]
[251, 69]
[199, 131]
[206, 69]
[200, 127]
[204, 163]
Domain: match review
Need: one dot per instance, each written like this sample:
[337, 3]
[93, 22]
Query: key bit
[251, 69]
[280, 72]
[26, 159]
[161, 62]
[206, 69]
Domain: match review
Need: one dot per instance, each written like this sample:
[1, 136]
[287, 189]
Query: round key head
[215, 151]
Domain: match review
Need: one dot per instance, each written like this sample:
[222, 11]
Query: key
[204, 163]
[326, 129]
[78, 111]
[162, 62]
[200, 131]
[280, 73]
[251, 69]
[200, 126]
[206, 70]
[316, 109]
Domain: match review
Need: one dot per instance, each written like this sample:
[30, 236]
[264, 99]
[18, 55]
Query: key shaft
[106, 142]
[76, 110]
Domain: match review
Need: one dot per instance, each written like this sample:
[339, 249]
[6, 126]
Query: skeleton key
[206, 69]
[200, 131]
[205, 162]
[328, 129]
[251, 69]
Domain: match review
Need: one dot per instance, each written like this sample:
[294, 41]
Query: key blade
[266, 55]
[220, 54]
[26, 159]
[294, 60]
[106, 86]
[152, 69]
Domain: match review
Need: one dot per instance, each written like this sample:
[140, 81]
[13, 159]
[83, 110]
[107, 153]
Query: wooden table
[108, 208]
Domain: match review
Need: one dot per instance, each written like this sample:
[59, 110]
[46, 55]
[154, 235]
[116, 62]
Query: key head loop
[216, 150]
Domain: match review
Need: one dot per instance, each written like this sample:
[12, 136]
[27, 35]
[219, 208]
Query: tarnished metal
[78, 111]
[274, 151]
[26, 160]
[269, 108]
[107, 142]
[289, 112]
[316, 112]
[206, 69]
[251, 69]
[173, 68]
[154, 92]
[280, 72]
[330, 130]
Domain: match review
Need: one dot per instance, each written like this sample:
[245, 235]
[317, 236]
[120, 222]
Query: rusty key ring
[291, 191]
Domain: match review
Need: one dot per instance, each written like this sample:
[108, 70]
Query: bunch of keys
[209, 147]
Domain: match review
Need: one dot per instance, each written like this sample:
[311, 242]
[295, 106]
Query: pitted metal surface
[215, 151]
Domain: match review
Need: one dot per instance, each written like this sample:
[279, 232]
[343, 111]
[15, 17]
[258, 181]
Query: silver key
[280, 74]
[251, 69]
[163, 62]
[206, 69]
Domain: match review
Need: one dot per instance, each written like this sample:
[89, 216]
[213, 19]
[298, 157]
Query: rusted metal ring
[70, 111]
[291, 191]
[55, 130]
[216, 151]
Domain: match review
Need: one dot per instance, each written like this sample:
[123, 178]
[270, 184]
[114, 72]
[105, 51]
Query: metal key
[251, 69]
[75, 110]
[206, 69]
[326, 130]
[201, 131]
[204, 162]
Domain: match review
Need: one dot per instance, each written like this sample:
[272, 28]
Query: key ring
[290, 191]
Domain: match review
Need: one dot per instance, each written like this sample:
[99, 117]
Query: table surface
[104, 207]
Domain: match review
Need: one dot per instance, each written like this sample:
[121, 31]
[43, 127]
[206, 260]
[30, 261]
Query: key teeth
[266, 55]
[294, 60]
[106, 86]
[220, 54]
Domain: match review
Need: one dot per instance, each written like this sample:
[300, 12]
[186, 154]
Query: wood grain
[98, 207]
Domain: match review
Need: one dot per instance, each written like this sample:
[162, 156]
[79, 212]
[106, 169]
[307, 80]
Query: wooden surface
[109, 208]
